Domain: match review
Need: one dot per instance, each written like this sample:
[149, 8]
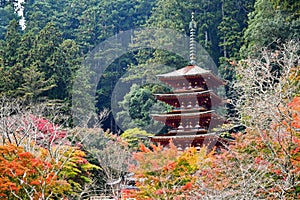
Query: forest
[73, 130]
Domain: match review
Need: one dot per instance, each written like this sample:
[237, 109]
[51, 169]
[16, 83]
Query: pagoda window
[180, 127]
[187, 126]
[182, 105]
[196, 84]
[179, 147]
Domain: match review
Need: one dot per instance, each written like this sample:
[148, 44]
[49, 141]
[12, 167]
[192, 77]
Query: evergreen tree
[234, 21]
[7, 13]
[8, 51]
[267, 26]
[137, 105]
[289, 6]
[10, 70]
[34, 84]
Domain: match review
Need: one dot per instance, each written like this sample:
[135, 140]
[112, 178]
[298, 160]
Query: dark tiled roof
[186, 71]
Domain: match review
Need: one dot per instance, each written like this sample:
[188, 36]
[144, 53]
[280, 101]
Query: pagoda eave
[208, 77]
[192, 139]
[190, 94]
[163, 117]
[185, 132]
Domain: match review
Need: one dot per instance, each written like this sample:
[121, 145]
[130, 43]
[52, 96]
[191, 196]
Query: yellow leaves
[21, 170]
[169, 171]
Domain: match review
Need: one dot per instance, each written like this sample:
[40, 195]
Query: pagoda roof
[189, 70]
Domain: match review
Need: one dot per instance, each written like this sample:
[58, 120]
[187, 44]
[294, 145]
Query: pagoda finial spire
[193, 26]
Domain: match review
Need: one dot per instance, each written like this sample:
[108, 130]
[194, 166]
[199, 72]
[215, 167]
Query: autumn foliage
[262, 164]
[37, 157]
[22, 175]
[166, 173]
[256, 165]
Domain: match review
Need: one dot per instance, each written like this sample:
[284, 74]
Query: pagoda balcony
[192, 115]
[189, 109]
[190, 89]
[186, 141]
[189, 131]
[191, 99]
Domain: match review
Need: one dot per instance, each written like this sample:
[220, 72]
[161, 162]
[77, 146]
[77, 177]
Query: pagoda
[192, 119]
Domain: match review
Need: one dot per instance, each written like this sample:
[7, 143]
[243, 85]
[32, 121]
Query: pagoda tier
[191, 100]
[190, 78]
[189, 120]
[184, 141]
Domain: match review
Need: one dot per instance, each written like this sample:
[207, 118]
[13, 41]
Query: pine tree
[8, 51]
[7, 14]
[34, 84]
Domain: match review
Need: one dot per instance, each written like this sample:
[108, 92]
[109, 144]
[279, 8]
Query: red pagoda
[192, 119]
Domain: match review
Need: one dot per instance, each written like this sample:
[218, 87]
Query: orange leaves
[21, 171]
[143, 148]
[259, 160]
[188, 186]
[295, 104]
[167, 171]
[268, 156]
[294, 120]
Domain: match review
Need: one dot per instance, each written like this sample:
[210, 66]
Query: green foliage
[88, 22]
[7, 14]
[135, 136]
[34, 83]
[137, 105]
[41, 62]
[268, 26]
[140, 102]
[290, 6]
[234, 21]
[11, 44]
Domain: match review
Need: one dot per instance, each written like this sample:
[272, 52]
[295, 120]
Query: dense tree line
[40, 62]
